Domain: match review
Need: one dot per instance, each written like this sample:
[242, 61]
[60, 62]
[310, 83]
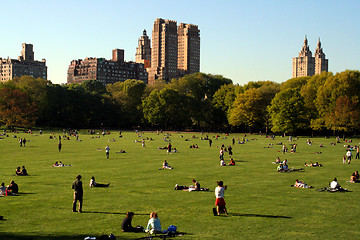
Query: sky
[241, 40]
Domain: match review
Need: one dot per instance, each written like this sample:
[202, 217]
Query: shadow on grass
[165, 236]
[256, 215]
[115, 213]
[11, 236]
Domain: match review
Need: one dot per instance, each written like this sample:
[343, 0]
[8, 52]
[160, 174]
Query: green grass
[260, 201]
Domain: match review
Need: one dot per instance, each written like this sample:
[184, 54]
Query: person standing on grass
[210, 142]
[233, 141]
[357, 152]
[349, 155]
[107, 152]
[219, 194]
[143, 143]
[221, 154]
[20, 142]
[24, 141]
[78, 193]
[59, 145]
[230, 151]
[169, 148]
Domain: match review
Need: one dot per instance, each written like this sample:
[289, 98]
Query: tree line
[322, 103]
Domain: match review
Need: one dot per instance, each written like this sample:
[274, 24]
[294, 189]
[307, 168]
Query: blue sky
[242, 40]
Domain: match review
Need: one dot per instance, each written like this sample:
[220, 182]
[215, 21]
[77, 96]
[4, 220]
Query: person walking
[20, 142]
[107, 152]
[210, 142]
[24, 141]
[221, 154]
[59, 146]
[233, 141]
[78, 193]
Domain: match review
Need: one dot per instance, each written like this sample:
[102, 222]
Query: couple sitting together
[153, 226]
[231, 163]
[195, 187]
[9, 190]
[355, 177]
[22, 172]
[316, 164]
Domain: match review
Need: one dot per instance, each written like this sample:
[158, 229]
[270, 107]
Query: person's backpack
[172, 229]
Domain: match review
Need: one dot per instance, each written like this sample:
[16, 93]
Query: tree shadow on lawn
[116, 213]
[11, 236]
[256, 215]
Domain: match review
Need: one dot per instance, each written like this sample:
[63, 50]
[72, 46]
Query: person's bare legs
[225, 210]
[218, 210]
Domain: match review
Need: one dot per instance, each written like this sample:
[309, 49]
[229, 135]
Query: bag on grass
[172, 229]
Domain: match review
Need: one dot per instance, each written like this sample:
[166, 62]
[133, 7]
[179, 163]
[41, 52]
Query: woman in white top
[2, 189]
[95, 184]
[219, 194]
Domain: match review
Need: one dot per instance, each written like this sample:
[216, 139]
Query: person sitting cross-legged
[126, 225]
[154, 225]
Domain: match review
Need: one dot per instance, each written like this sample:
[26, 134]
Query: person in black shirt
[13, 187]
[210, 142]
[197, 185]
[126, 224]
[78, 193]
[24, 171]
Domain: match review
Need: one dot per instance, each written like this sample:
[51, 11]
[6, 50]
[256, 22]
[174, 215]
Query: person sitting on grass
[126, 224]
[18, 171]
[334, 185]
[56, 164]
[222, 162]
[121, 151]
[166, 165]
[356, 173]
[301, 184]
[285, 166]
[2, 189]
[12, 189]
[196, 185]
[95, 184]
[277, 161]
[232, 162]
[280, 168]
[24, 171]
[154, 225]
[353, 178]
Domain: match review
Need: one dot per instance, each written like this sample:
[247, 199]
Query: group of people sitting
[231, 163]
[355, 177]
[60, 164]
[301, 184]
[21, 172]
[10, 189]
[194, 146]
[195, 187]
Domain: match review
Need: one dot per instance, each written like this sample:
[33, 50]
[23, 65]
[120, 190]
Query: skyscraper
[188, 49]
[143, 51]
[307, 65]
[164, 51]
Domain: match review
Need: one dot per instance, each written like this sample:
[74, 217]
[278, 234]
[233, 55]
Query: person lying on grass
[126, 225]
[166, 165]
[284, 168]
[95, 184]
[301, 184]
[121, 151]
[316, 164]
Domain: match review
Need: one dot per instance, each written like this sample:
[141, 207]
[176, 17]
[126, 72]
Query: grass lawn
[260, 201]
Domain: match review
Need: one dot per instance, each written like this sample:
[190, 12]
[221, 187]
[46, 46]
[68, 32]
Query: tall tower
[188, 49]
[321, 63]
[304, 64]
[143, 51]
[164, 51]
[27, 53]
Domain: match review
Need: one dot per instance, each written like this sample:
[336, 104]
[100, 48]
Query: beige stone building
[307, 65]
[24, 65]
[188, 49]
[143, 51]
[175, 50]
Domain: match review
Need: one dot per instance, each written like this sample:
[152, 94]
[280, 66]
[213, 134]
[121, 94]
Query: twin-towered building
[308, 65]
[173, 52]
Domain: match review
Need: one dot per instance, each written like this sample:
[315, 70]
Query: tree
[288, 113]
[167, 108]
[16, 108]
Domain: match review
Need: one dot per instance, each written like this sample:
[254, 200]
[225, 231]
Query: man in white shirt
[334, 184]
[219, 194]
[107, 150]
[349, 155]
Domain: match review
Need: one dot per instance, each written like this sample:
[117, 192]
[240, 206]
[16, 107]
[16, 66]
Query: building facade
[188, 49]
[143, 51]
[164, 51]
[24, 65]
[306, 64]
[106, 71]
